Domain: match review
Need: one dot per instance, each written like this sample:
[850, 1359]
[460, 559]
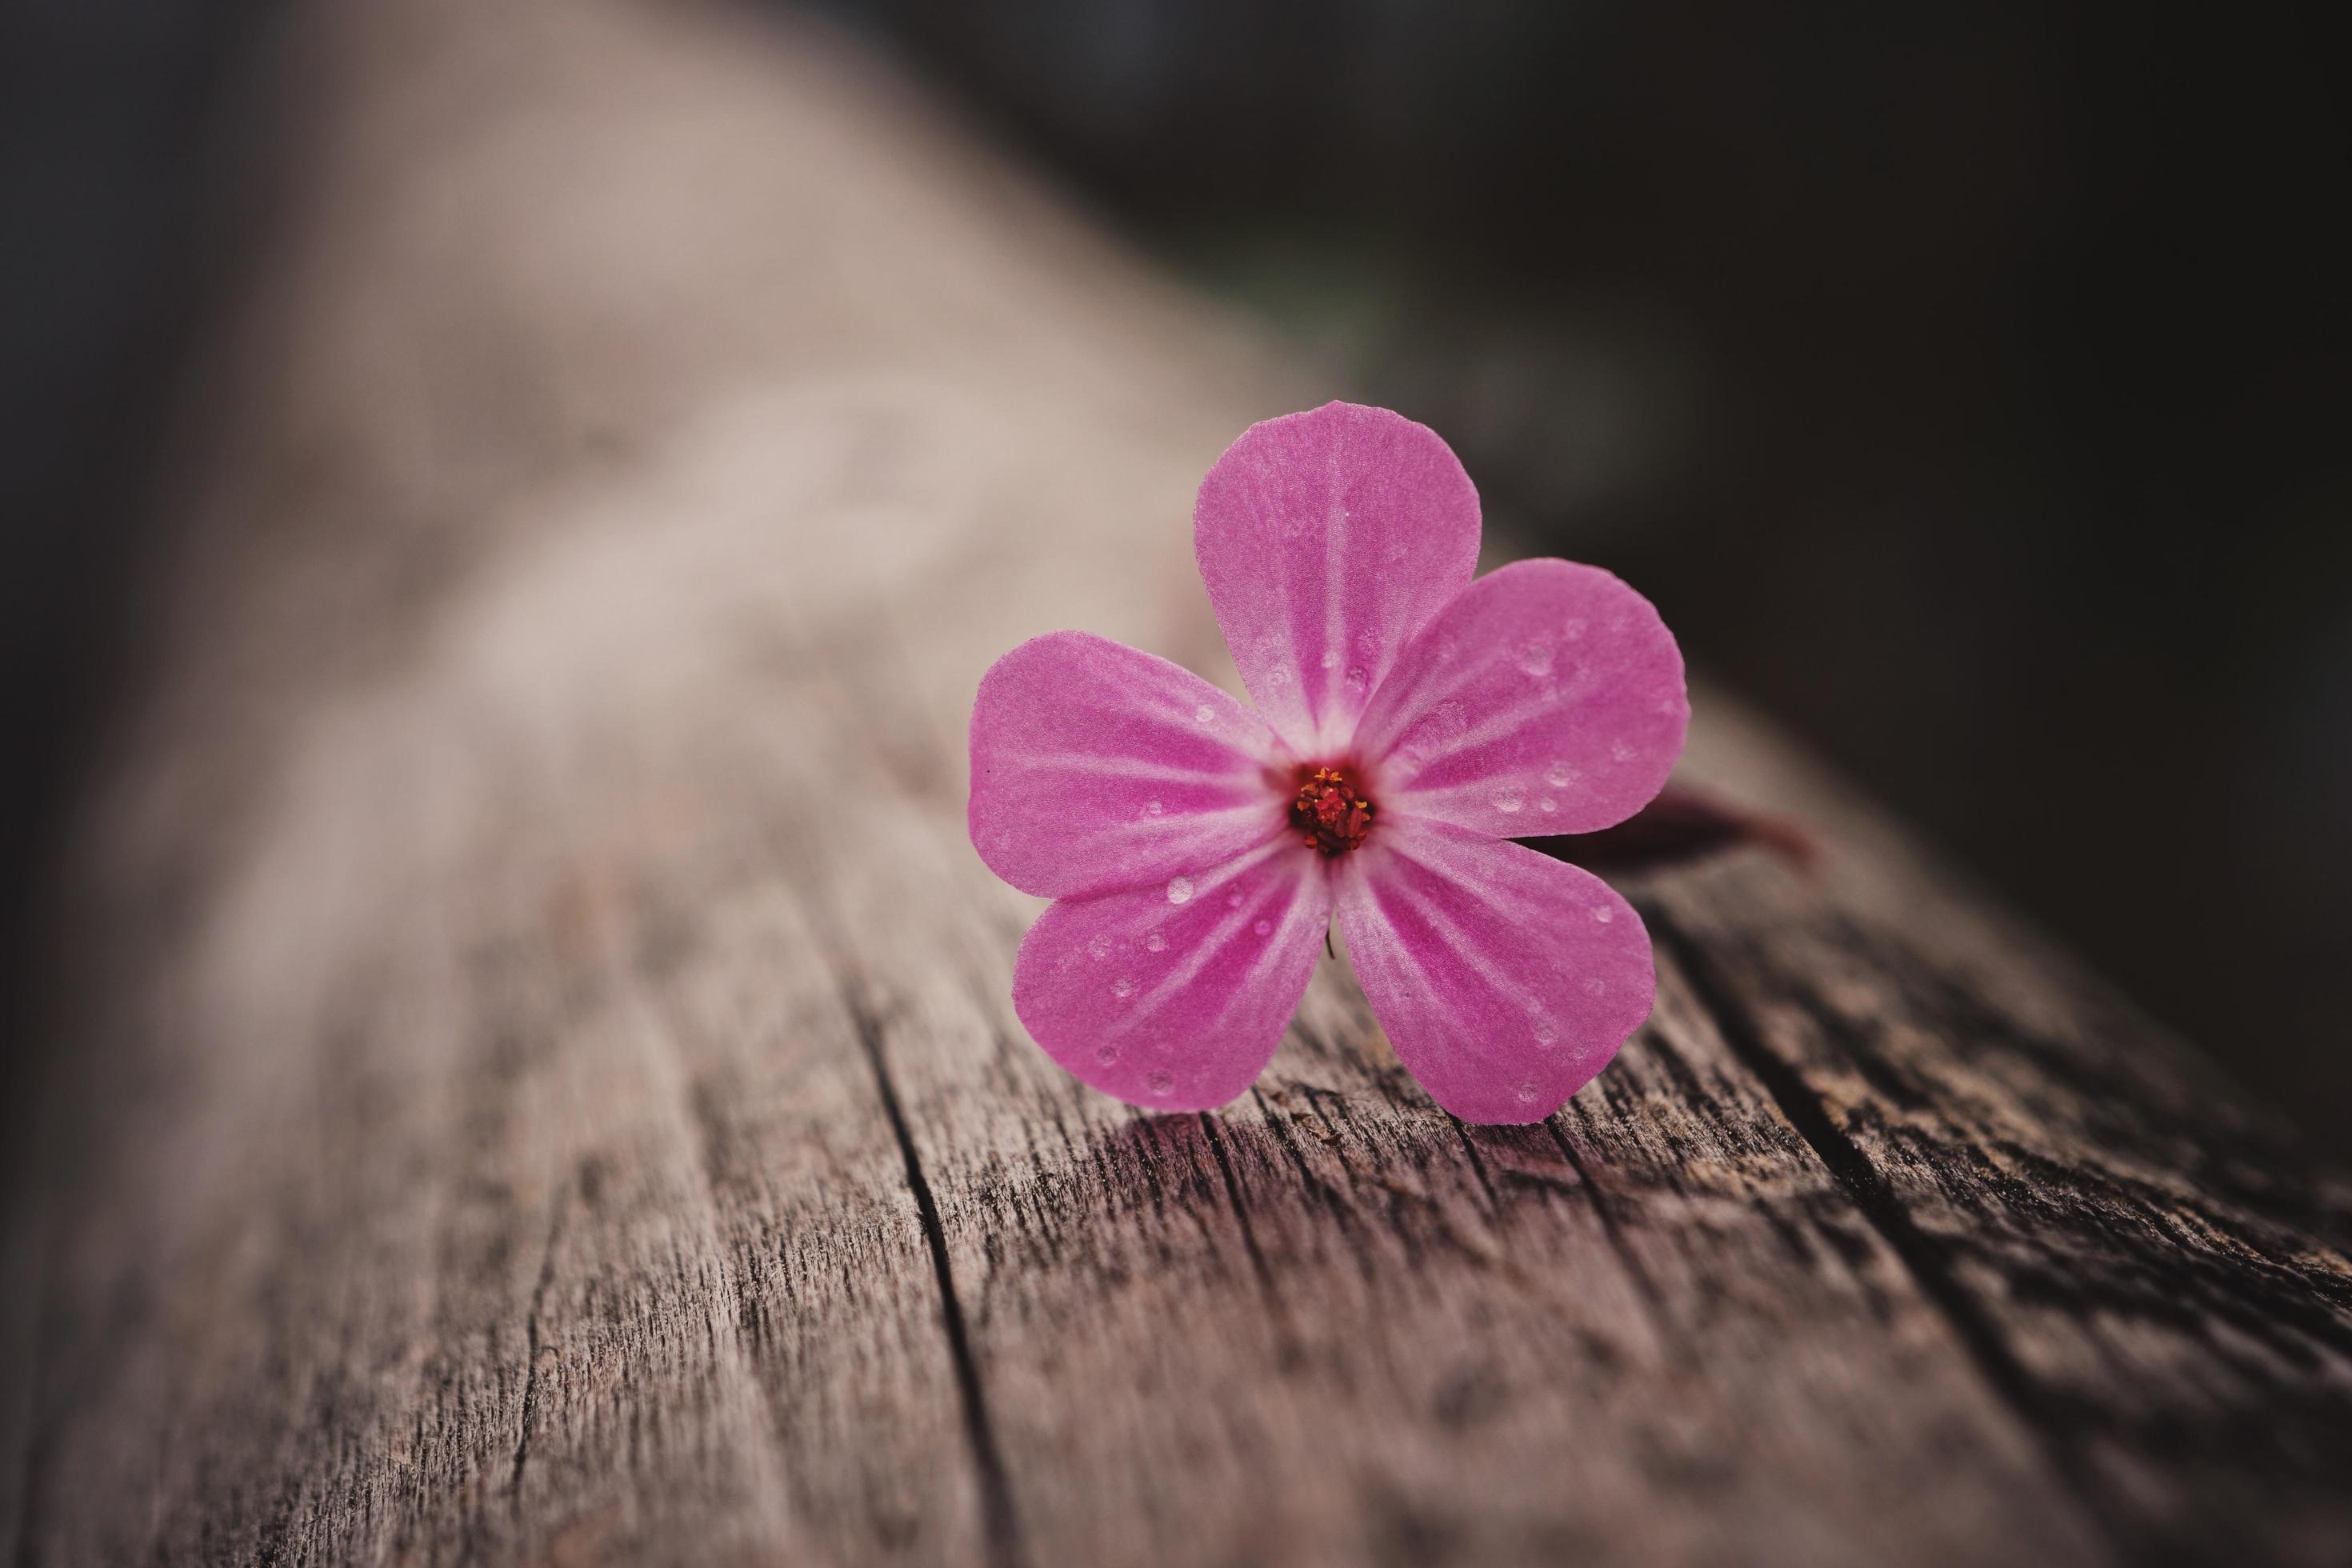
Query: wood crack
[531, 1345]
[1478, 1166]
[1001, 1523]
[1922, 1257]
[1241, 1212]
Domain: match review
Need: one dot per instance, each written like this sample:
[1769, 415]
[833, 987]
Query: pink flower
[1409, 721]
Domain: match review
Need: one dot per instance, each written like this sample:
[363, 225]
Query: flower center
[1331, 810]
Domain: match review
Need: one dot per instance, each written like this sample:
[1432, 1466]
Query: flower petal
[1097, 767]
[1547, 698]
[1174, 997]
[1505, 979]
[1326, 539]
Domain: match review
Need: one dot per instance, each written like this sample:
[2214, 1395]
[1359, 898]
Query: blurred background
[1968, 384]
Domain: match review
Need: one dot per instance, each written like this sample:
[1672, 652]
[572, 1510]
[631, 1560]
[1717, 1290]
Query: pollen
[1331, 810]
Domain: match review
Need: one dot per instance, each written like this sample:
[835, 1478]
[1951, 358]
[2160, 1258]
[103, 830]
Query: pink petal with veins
[1174, 997]
[1504, 978]
[1547, 698]
[1095, 767]
[1326, 539]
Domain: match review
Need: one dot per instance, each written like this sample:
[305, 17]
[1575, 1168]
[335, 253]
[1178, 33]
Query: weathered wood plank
[539, 1078]
[2138, 1261]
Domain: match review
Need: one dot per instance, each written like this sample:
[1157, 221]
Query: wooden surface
[537, 1081]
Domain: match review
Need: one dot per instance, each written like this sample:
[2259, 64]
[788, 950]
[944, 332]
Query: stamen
[1331, 810]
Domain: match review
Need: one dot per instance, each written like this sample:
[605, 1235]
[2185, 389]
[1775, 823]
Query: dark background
[1968, 385]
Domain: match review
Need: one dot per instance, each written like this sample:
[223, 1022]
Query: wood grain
[539, 1080]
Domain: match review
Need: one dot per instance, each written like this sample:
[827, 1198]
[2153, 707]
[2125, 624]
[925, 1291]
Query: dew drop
[1263, 928]
[1535, 660]
[1122, 986]
[1621, 752]
[1596, 987]
[1508, 800]
[1204, 714]
[1099, 947]
[1106, 1054]
[1560, 776]
[1277, 678]
[1157, 941]
[1234, 899]
[1160, 1080]
[1525, 1094]
[1603, 914]
[1546, 804]
[1573, 629]
[1329, 658]
[1152, 808]
[1180, 891]
[1358, 680]
[1547, 1033]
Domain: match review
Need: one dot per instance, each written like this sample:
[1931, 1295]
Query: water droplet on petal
[1547, 1032]
[1573, 629]
[1535, 660]
[1106, 1054]
[1603, 914]
[1099, 947]
[1277, 678]
[1152, 808]
[1180, 891]
[1358, 680]
[1122, 986]
[1330, 660]
[1560, 776]
[1525, 1094]
[1157, 941]
[1546, 804]
[1263, 928]
[1160, 1080]
[1596, 987]
[1621, 752]
[1507, 800]
[1204, 714]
